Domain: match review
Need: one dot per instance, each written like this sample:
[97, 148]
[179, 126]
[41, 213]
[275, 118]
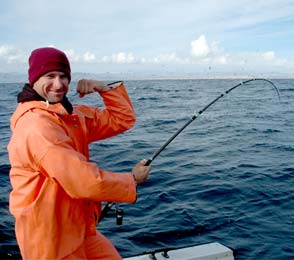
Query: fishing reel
[119, 213]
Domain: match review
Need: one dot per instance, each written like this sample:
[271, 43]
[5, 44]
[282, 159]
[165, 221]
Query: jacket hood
[28, 94]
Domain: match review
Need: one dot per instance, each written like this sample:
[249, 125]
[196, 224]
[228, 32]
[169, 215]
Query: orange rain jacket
[54, 186]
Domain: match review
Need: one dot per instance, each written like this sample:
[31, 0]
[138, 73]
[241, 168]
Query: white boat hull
[211, 251]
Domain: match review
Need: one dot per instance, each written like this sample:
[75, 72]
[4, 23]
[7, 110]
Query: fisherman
[56, 191]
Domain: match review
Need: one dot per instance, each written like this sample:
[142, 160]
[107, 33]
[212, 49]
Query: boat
[210, 251]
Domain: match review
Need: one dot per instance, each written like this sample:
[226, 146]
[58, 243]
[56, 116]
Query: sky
[161, 37]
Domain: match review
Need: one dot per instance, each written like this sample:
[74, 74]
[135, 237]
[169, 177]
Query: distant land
[111, 76]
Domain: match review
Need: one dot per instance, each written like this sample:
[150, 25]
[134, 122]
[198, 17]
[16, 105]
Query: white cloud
[270, 55]
[200, 48]
[119, 58]
[89, 57]
[75, 57]
[221, 60]
[4, 50]
[72, 55]
[261, 60]
[105, 59]
[123, 58]
[166, 58]
[203, 52]
[11, 54]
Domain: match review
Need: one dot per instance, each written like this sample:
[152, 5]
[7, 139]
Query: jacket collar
[29, 94]
[24, 107]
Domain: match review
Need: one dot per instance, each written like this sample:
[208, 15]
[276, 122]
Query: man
[56, 192]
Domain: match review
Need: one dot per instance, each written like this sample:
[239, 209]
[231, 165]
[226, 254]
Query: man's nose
[58, 82]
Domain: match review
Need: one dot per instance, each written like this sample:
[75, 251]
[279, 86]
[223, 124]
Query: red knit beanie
[47, 59]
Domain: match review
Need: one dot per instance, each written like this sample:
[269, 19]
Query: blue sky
[182, 37]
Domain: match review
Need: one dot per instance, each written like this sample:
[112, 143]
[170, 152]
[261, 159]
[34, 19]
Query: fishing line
[194, 117]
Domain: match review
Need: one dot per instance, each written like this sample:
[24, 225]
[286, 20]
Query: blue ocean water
[228, 177]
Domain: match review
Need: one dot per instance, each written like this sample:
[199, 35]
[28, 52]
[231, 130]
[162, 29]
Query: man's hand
[141, 172]
[87, 86]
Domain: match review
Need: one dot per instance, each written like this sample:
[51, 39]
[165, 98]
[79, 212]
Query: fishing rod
[196, 115]
[119, 212]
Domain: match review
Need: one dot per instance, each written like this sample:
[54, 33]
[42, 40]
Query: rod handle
[149, 161]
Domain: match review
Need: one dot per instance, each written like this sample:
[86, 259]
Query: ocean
[227, 178]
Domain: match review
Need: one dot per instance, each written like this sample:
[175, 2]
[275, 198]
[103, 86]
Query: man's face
[52, 86]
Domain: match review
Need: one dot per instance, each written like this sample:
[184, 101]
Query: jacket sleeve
[81, 179]
[52, 151]
[117, 116]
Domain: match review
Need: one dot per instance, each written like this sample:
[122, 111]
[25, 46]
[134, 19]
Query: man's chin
[56, 100]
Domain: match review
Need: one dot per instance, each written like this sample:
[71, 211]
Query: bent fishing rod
[119, 212]
[196, 115]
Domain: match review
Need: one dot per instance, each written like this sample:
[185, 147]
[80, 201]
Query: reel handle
[119, 216]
